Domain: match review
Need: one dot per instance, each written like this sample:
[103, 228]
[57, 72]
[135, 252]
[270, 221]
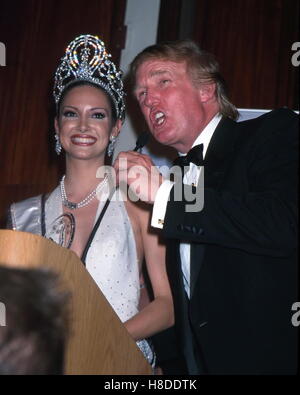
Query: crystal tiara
[86, 59]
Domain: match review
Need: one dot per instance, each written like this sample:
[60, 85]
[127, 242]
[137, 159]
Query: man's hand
[139, 173]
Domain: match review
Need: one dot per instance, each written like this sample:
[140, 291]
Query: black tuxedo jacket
[243, 251]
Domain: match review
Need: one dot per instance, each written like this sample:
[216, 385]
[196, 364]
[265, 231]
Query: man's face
[171, 104]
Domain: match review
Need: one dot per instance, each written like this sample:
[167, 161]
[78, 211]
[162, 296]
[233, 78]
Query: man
[34, 332]
[231, 257]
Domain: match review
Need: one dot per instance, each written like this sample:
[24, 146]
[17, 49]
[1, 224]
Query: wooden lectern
[99, 342]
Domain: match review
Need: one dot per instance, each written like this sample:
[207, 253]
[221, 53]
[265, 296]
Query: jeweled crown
[86, 59]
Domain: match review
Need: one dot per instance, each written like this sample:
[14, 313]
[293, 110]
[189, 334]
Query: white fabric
[112, 259]
[160, 204]
[190, 177]
[26, 215]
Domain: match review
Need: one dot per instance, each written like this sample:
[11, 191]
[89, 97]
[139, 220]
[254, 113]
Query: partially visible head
[36, 322]
[202, 68]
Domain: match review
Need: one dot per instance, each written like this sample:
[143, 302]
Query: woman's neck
[81, 177]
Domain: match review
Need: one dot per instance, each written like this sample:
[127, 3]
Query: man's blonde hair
[202, 67]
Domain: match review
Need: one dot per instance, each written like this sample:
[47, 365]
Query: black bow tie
[195, 155]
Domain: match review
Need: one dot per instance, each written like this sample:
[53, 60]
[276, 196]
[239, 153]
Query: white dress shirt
[162, 197]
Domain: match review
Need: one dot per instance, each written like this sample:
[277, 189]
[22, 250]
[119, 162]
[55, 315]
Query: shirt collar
[206, 134]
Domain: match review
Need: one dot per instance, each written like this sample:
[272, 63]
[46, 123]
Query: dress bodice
[112, 260]
[112, 256]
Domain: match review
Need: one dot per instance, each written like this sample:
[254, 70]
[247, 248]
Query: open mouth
[158, 119]
[83, 140]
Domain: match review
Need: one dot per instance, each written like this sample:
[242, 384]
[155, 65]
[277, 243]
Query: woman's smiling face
[85, 122]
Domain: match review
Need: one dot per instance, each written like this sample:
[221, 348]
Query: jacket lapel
[216, 163]
[219, 153]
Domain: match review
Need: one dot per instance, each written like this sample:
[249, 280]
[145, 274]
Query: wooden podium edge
[99, 343]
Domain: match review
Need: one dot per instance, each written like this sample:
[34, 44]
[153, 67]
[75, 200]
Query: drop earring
[58, 147]
[111, 145]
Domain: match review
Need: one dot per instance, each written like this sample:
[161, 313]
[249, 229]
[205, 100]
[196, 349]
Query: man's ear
[207, 92]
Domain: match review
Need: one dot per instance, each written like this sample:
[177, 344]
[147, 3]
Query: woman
[90, 109]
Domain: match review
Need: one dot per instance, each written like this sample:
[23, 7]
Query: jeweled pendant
[70, 205]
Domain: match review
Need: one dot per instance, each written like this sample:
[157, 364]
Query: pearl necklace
[87, 200]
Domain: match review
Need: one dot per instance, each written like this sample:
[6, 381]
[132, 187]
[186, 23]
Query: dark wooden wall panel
[35, 33]
[252, 41]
